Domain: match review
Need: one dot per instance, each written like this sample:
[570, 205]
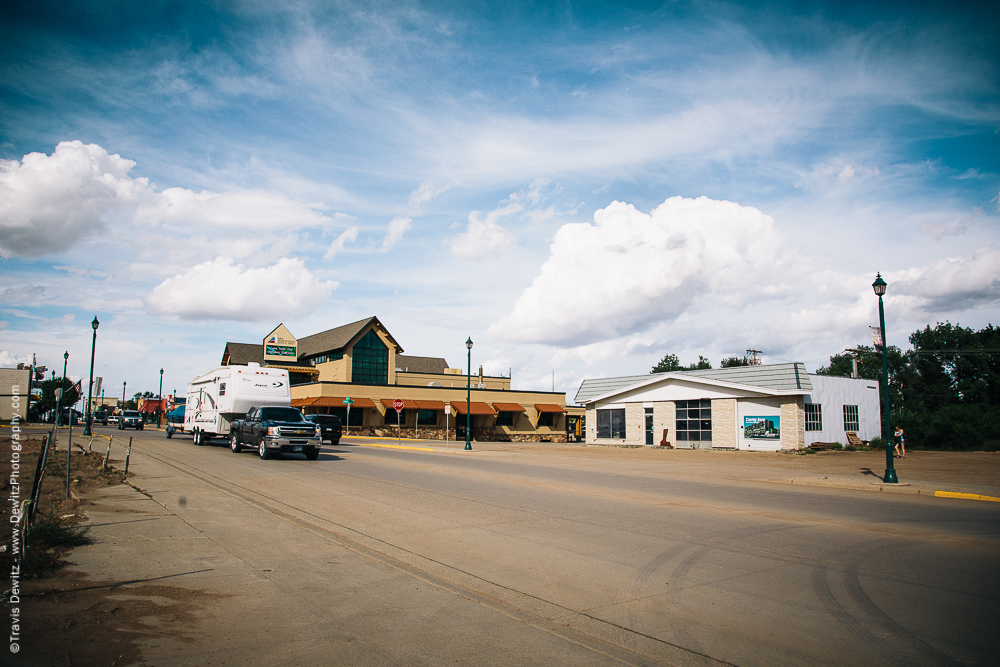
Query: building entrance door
[649, 426]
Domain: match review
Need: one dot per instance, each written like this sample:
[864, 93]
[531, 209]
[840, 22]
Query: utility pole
[855, 353]
[752, 353]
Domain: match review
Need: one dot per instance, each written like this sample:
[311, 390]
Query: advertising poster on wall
[762, 428]
[280, 345]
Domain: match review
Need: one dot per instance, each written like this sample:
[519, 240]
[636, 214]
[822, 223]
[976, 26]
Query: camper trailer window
[222, 389]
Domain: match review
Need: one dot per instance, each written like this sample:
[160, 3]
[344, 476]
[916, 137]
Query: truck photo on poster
[762, 428]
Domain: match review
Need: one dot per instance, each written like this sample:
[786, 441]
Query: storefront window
[505, 419]
[694, 420]
[611, 423]
[426, 418]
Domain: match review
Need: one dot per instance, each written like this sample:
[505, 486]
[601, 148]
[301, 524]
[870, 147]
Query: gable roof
[790, 378]
[240, 354]
[338, 337]
[409, 364]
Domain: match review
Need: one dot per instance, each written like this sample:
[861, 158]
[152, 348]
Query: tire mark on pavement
[613, 641]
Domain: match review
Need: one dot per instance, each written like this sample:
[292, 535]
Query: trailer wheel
[196, 436]
[262, 449]
[170, 434]
[234, 443]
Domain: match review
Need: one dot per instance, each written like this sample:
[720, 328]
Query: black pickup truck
[275, 430]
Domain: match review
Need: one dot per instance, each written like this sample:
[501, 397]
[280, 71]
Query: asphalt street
[377, 555]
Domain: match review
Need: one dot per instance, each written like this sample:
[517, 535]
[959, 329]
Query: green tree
[945, 391]
[730, 362]
[670, 363]
[47, 401]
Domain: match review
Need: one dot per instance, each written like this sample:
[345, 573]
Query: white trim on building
[761, 408]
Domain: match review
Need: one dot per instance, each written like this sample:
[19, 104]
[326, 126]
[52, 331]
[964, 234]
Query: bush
[876, 443]
[51, 532]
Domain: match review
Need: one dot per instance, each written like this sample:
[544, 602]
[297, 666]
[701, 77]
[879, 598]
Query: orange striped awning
[430, 405]
[546, 407]
[407, 404]
[509, 407]
[475, 408]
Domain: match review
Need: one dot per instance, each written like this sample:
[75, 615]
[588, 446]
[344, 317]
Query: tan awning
[546, 407]
[509, 407]
[308, 370]
[475, 408]
[407, 404]
[430, 405]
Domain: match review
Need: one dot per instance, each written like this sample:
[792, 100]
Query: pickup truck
[275, 430]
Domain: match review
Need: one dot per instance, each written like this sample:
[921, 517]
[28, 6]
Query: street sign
[348, 401]
[398, 404]
[447, 409]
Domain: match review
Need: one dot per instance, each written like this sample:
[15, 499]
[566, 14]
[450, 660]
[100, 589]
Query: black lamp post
[123, 394]
[90, 392]
[468, 399]
[890, 470]
[159, 403]
[62, 394]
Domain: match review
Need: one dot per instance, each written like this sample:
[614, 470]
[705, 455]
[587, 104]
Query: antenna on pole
[752, 353]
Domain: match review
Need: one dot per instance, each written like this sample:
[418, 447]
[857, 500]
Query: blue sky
[581, 188]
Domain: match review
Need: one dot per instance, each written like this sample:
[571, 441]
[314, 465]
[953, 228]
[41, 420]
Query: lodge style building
[357, 370]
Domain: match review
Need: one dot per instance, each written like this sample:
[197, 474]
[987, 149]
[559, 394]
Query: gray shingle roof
[336, 338]
[240, 354]
[778, 377]
[409, 364]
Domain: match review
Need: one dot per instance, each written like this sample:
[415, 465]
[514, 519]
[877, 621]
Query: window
[545, 419]
[505, 419]
[694, 420]
[851, 418]
[370, 362]
[222, 389]
[611, 423]
[357, 415]
[323, 358]
[426, 418]
[814, 417]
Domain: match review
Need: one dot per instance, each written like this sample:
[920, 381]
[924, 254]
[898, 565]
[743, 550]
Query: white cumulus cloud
[48, 203]
[484, 235]
[639, 269]
[220, 290]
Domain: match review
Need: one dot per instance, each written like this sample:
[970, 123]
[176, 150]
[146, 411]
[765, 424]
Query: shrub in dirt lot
[49, 538]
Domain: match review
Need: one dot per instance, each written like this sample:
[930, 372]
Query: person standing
[901, 444]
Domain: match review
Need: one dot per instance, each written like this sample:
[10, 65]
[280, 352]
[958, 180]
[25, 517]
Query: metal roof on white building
[790, 377]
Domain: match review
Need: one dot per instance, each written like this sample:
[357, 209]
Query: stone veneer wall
[635, 424]
[663, 418]
[724, 423]
[793, 423]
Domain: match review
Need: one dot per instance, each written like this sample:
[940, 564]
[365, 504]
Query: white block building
[763, 408]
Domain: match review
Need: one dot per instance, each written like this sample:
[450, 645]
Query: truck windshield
[280, 415]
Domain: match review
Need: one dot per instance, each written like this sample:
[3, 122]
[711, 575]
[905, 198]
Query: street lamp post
[123, 394]
[890, 470]
[62, 394]
[468, 399]
[90, 392]
[159, 403]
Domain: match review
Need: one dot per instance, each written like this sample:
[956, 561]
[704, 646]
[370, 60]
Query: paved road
[376, 556]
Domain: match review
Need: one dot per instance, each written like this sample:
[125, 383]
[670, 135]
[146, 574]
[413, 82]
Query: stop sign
[398, 404]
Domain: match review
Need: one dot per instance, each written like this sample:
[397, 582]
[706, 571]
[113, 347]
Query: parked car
[101, 416]
[130, 419]
[330, 427]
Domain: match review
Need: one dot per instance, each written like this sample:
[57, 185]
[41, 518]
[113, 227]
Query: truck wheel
[196, 436]
[313, 454]
[170, 434]
[234, 443]
[262, 449]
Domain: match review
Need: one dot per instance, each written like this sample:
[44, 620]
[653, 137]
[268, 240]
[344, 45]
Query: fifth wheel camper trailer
[215, 399]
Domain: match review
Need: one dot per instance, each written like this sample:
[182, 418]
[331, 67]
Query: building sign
[762, 428]
[280, 345]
